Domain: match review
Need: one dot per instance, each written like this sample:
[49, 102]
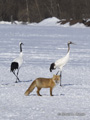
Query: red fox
[43, 83]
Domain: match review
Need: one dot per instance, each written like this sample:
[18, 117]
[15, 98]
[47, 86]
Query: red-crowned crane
[16, 64]
[61, 62]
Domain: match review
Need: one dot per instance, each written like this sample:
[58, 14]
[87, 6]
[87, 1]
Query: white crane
[16, 64]
[61, 62]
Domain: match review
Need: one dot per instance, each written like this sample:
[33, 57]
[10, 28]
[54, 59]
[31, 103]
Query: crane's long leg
[16, 77]
[57, 73]
[60, 77]
[17, 74]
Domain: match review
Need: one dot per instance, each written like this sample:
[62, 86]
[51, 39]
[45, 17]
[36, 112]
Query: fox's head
[56, 78]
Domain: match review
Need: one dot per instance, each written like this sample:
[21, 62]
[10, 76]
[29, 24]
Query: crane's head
[20, 43]
[70, 43]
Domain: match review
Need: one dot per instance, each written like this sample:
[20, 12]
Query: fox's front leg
[51, 91]
[38, 89]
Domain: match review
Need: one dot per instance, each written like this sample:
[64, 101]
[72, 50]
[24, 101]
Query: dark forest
[37, 10]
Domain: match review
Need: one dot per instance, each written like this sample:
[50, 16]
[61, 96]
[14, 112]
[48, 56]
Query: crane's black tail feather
[14, 66]
[52, 67]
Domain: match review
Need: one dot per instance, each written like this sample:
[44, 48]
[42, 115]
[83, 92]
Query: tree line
[37, 10]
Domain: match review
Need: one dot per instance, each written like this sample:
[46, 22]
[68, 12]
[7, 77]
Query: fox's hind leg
[38, 89]
[51, 91]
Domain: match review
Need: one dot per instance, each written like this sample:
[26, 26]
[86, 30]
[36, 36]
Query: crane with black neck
[17, 62]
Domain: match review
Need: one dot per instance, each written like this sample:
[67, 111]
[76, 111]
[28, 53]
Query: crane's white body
[62, 62]
[19, 59]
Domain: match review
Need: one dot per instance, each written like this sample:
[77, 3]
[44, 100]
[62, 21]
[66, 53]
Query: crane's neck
[21, 53]
[20, 48]
[68, 47]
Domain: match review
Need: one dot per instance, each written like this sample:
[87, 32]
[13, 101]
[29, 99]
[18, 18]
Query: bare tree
[27, 8]
[38, 9]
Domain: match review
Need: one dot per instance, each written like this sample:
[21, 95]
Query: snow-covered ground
[43, 44]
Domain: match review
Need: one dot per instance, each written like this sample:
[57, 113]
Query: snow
[50, 22]
[44, 44]
[78, 25]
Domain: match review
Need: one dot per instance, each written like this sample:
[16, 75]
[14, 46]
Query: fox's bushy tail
[31, 87]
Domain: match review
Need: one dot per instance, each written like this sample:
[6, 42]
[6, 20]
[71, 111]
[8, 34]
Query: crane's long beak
[73, 43]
